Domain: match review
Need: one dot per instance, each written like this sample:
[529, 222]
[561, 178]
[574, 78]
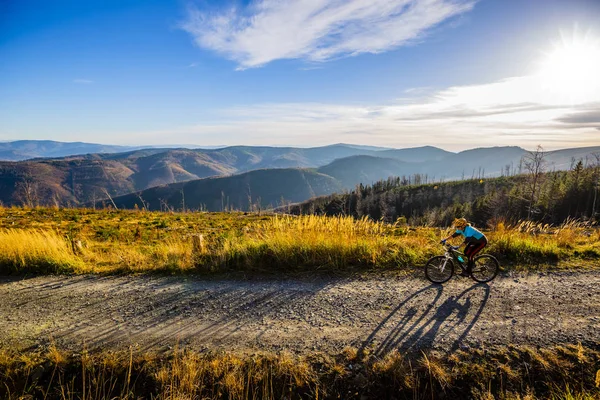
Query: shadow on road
[154, 313]
[166, 311]
[425, 319]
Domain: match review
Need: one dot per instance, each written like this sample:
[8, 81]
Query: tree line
[536, 194]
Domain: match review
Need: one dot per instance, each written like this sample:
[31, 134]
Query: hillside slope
[253, 189]
[438, 165]
[72, 181]
[81, 179]
[351, 171]
[416, 154]
[475, 163]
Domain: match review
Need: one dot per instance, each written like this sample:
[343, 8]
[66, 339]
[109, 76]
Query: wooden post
[198, 244]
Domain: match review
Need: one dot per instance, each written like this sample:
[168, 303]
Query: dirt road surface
[298, 315]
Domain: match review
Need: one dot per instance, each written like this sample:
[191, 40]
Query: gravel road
[299, 315]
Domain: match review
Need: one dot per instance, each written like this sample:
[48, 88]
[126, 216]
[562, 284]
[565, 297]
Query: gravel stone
[377, 312]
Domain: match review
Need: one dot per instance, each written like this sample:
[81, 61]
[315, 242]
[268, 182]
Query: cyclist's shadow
[450, 322]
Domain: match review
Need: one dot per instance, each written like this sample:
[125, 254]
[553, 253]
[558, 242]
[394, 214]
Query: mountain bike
[439, 269]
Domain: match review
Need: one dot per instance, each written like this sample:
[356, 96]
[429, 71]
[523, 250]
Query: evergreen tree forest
[545, 197]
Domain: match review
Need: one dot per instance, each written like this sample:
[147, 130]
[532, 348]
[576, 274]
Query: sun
[570, 72]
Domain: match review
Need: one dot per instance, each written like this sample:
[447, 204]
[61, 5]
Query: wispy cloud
[589, 117]
[316, 30]
[508, 112]
[81, 81]
[418, 90]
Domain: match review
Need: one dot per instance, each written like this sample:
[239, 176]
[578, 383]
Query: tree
[596, 182]
[182, 200]
[533, 162]
[138, 195]
[27, 191]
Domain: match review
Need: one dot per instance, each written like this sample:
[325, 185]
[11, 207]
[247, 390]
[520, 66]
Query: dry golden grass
[85, 241]
[321, 243]
[436, 370]
[497, 373]
[36, 251]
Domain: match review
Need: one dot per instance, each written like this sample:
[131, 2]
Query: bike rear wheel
[439, 269]
[485, 268]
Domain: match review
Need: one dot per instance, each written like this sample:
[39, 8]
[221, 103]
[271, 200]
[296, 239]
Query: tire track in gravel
[378, 313]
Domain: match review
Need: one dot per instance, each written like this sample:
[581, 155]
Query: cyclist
[474, 240]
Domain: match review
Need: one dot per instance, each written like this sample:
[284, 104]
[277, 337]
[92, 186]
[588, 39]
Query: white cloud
[81, 81]
[316, 30]
[513, 111]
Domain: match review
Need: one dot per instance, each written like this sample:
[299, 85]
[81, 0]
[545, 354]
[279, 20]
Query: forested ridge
[547, 197]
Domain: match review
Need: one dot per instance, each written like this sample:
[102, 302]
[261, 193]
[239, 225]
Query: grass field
[42, 241]
[87, 241]
[508, 372]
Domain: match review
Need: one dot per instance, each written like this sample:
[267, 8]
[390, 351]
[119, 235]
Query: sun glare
[571, 71]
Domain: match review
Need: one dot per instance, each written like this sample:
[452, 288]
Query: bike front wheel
[439, 269]
[485, 268]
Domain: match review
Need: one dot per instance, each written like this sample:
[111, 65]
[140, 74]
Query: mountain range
[248, 176]
[27, 149]
[20, 150]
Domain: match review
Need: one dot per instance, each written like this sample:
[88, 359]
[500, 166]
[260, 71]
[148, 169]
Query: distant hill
[351, 171]
[27, 149]
[367, 169]
[439, 165]
[364, 147]
[78, 179]
[176, 166]
[416, 154]
[479, 162]
[20, 150]
[564, 159]
[260, 188]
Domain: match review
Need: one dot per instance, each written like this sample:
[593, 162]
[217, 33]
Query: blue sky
[402, 73]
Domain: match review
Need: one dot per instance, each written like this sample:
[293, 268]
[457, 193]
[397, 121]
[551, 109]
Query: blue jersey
[469, 233]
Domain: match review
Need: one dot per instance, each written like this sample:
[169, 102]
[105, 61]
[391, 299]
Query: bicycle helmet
[460, 223]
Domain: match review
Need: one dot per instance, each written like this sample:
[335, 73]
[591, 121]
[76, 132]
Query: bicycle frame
[452, 254]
